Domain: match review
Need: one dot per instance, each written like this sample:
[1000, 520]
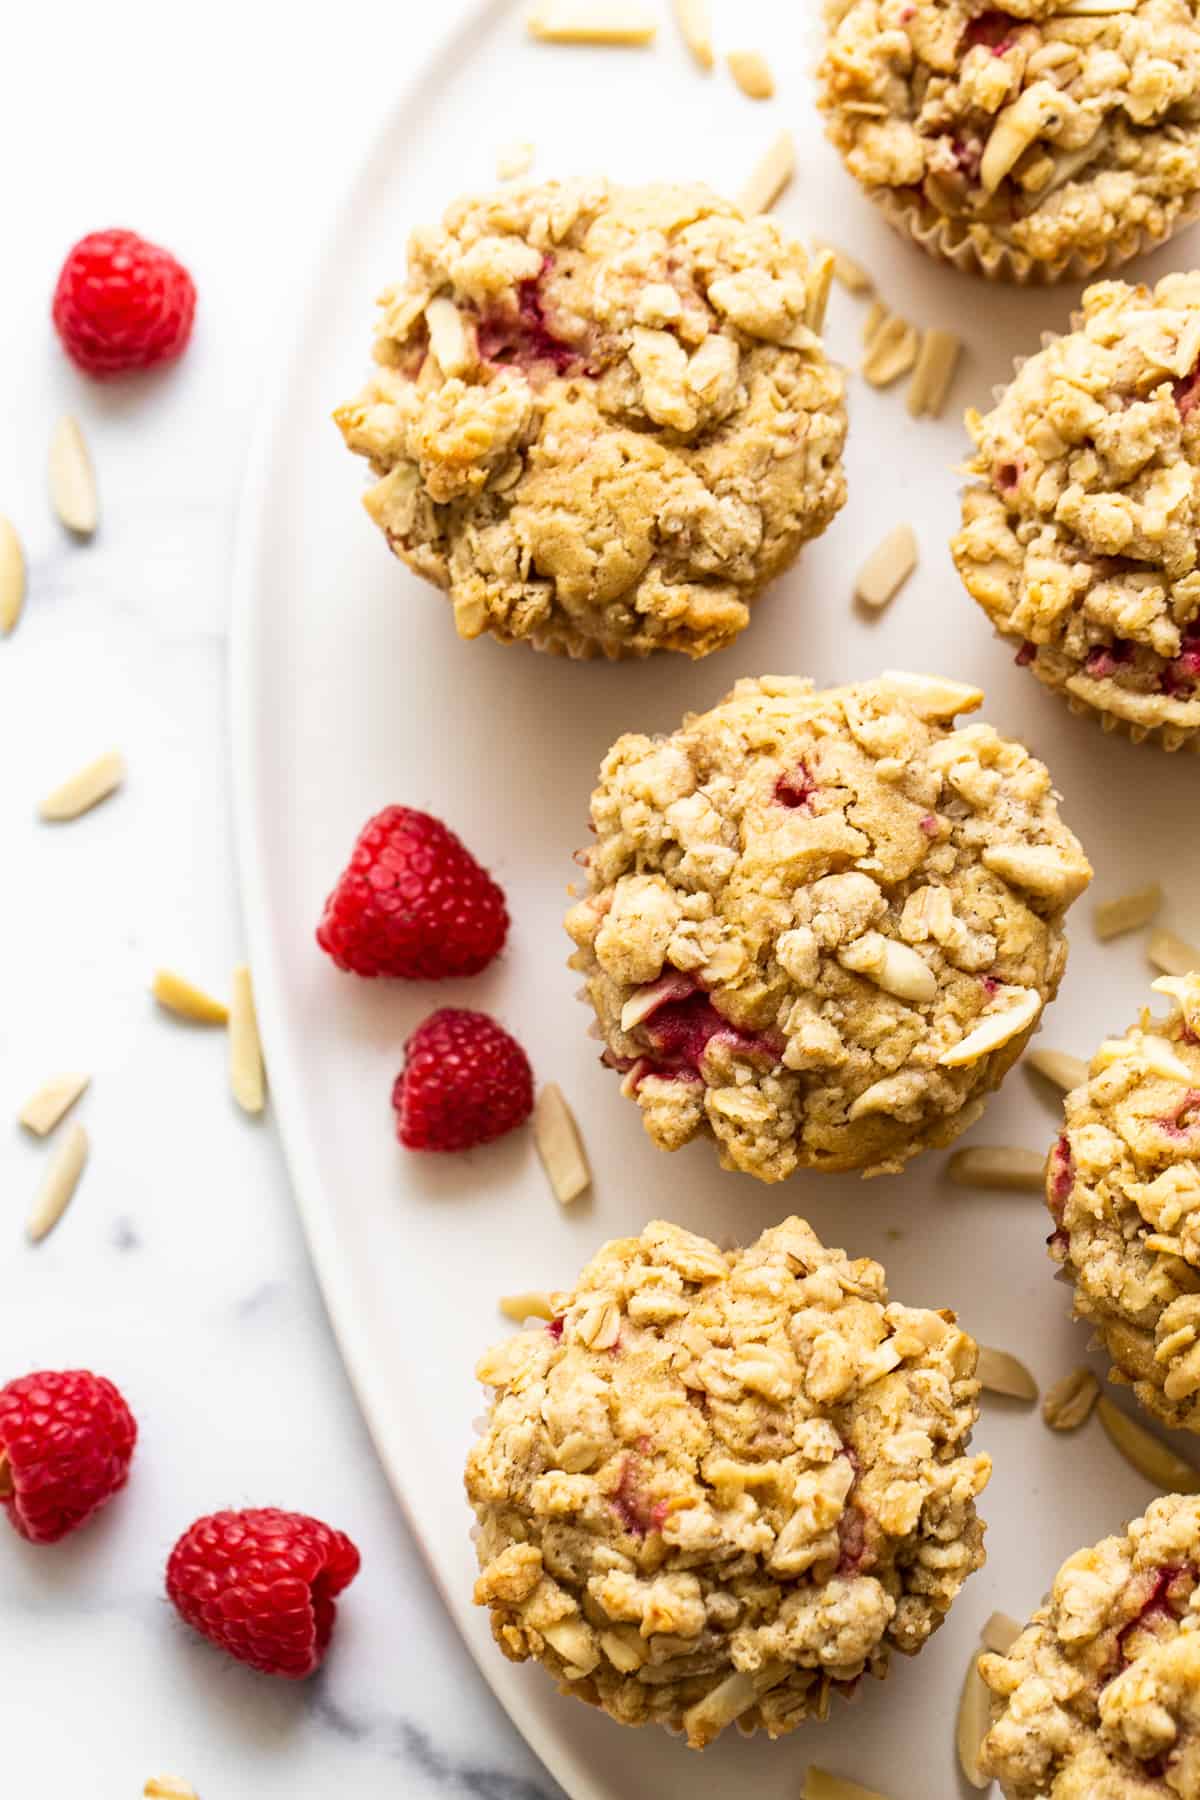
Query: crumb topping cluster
[1079, 537]
[819, 926]
[1050, 129]
[602, 417]
[1123, 1185]
[1100, 1694]
[721, 1486]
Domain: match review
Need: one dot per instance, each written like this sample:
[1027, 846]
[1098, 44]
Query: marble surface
[180, 1270]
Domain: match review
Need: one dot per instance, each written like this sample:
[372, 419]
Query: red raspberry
[413, 902]
[261, 1585]
[122, 304]
[67, 1438]
[464, 1082]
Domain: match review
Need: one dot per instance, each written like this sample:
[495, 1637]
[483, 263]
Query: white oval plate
[351, 691]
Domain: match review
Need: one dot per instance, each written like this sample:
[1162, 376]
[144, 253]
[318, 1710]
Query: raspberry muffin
[602, 418]
[721, 1486]
[819, 926]
[1099, 1698]
[1030, 142]
[1079, 535]
[1123, 1185]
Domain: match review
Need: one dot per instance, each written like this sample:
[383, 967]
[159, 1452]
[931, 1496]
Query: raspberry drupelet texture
[262, 1586]
[603, 419]
[1081, 532]
[464, 1082]
[66, 1441]
[1099, 1697]
[725, 1485]
[122, 304]
[1123, 1188]
[820, 926]
[413, 902]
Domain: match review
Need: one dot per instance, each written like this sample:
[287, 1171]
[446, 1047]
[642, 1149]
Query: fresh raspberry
[464, 1082]
[122, 304]
[413, 902]
[261, 1585]
[67, 1438]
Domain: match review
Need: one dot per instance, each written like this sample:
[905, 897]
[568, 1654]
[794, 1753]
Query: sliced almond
[933, 372]
[998, 1166]
[695, 28]
[820, 279]
[891, 352]
[1066, 1072]
[770, 177]
[896, 968]
[52, 1102]
[932, 696]
[246, 1077]
[752, 73]
[12, 576]
[448, 338]
[619, 22]
[730, 1699]
[559, 1145]
[1014, 129]
[1068, 1404]
[519, 1307]
[887, 568]
[819, 1784]
[190, 1002]
[58, 1184]
[1128, 913]
[514, 160]
[850, 274]
[877, 315]
[1147, 1453]
[72, 478]
[168, 1787]
[971, 1724]
[995, 1030]
[1000, 1632]
[1001, 1373]
[1171, 954]
[85, 789]
[1040, 869]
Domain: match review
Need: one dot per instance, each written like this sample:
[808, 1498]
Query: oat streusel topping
[1079, 538]
[1039, 133]
[602, 419]
[819, 926]
[1123, 1185]
[1099, 1698]
[719, 1486]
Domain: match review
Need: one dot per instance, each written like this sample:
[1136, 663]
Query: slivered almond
[168, 1787]
[447, 337]
[1001, 1373]
[877, 315]
[246, 1078]
[1172, 954]
[891, 352]
[730, 1699]
[619, 22]
[695, 28]
[519, 1307]
[752, 73]
[933, 372]
[85, 789]
[1066, 1072]
[514, 160]
[72, 478]
[1147, 1453]
[998, 1166]
[58, 1184]
[932, 696]
[190, 1002]
[1000, 1632]
[556, 1136]
[12, 576]
[770, 177]
[887, 568]
[1069, 1402]
[994, 1031]
[850, 274]
[820, 277]
[1128, 913]
[971, 1724]
[1014, 129]
[819, 1784]
[52, 1102]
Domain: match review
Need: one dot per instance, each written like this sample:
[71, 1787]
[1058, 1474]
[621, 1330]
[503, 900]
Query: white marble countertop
[180, 1270]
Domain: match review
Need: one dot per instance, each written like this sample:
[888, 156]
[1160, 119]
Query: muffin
[602, 418]
[1123, 1186]
[1098, 1697]
[1079, 535]
[1030, 143]
[819, 926]
[719, 1486]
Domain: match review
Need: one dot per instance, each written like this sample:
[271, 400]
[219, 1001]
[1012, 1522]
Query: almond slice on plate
[1066, 1072]
[1129, 912]
[695, 28]
[58, 1184]
[891, 352]
[620, 22]
[752, 73]
[1172, 954]
[819, 1784]
[168, 1787]
[1001, 1373]
[1068, 1404]
[246, 1077]
[770, 177]
[1147, 1453]
[12, 576]
[933, 372]
[971, 1724]
[998, 1166]
[850, 274]
[559, 1145]
[519, 1307]
[72, 478]
[85, 789]
[188, 1001]
[887, 568]
[52, 1102]
[514, 160]
[1000, 1632]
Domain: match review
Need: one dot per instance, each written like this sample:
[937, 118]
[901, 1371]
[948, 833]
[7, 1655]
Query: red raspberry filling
[633, 1506]
[680, 1033]
[1184, 670]
[524, 340]
[992, 30]
[1062, 1177]
[1186, 392]
[1105, 659]
[1006, 476]
[1167, 1591]
[1026, 654]
[796, 788]
[1186, 1117]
